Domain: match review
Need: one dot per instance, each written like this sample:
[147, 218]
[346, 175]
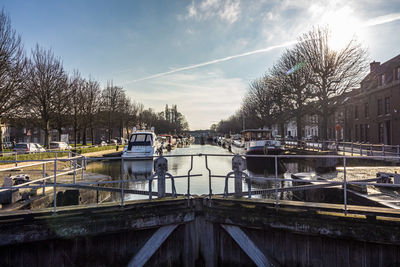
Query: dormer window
[381, 79]
[398, 74]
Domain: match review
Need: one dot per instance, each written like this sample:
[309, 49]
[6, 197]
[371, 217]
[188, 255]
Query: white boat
[142, 144]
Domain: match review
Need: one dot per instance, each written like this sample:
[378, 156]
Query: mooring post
[238, 166]
[161, 168]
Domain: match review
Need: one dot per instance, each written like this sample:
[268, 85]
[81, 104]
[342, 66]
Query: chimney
[374, 65]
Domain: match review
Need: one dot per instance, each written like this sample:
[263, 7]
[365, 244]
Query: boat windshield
[141, 139]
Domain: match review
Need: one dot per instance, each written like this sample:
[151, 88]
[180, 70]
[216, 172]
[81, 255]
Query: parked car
[59, 145]
[22, 148]
[103, 143]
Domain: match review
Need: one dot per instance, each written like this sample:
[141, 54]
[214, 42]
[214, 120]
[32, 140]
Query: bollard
[238, 166]
[161, 168]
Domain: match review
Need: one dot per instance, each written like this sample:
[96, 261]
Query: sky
[200, 55]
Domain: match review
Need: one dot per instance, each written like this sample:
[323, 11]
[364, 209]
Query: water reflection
[138, 173]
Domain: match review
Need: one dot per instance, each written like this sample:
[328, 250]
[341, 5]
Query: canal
[139, 170]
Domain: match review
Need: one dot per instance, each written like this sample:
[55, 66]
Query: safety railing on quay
[352, 148]
[238, 173]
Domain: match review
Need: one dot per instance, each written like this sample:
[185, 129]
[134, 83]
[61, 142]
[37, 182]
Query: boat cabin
[256, 134]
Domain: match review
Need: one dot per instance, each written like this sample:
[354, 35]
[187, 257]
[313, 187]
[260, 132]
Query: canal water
[136, 171]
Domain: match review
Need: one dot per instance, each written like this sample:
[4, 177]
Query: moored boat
[142, 144]
[258, 142]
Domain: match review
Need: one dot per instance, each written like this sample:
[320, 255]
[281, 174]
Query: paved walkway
[91, 154]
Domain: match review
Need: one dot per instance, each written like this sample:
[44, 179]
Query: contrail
[372, 22]
[213, 61]
[382, 20]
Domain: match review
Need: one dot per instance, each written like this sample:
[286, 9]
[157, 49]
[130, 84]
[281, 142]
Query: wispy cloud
[226, 10]
[263, 50]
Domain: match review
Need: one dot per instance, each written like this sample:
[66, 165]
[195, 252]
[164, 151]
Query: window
[366, 110]
[380, 107]
[381, 79]
[387, 105]
[356, 132]
[380, 132]
[356, 112]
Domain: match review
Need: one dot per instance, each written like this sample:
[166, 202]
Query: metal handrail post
[188, 184]
[43, 176]
[70, 162]
[371, 153]
[361, 149]
[209, 177]
[55, 187]
[398, 151]
[276, 181]
[344, 149]
[123, 182]
[345, 185]
[16, 161]
[352, 147]
[383, 150]
[74, 173]
[82, 167]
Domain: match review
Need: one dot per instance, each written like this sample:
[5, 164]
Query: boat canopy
[256, 134]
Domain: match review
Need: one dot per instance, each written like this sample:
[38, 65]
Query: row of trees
[306, 79]
[38, 91]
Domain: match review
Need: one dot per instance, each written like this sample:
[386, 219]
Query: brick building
[373, 112]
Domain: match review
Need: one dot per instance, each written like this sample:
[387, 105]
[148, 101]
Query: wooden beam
[248, 246]
[152, 245]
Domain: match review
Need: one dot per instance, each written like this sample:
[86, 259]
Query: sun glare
[344, 26]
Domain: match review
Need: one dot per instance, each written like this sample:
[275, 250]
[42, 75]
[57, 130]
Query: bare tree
[91, 105]
[46, 78]
[258, 104]
[12, 69]
[111, 100]
[333, 72]
[292, 76]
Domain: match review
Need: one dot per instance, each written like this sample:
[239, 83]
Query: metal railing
[78, 164]
[352, 148]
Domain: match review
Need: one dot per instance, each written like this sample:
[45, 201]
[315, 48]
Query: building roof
[371, 81]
